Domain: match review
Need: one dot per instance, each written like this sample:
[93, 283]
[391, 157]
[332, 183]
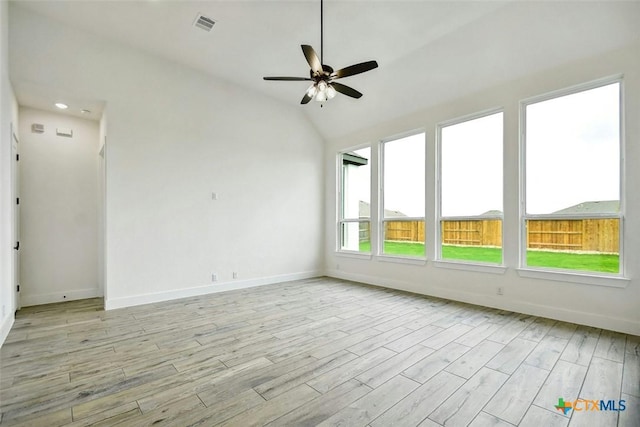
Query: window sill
[356, 255]
[467, 266]
[582, 278]
[402, 259]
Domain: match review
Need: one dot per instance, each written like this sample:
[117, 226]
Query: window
[471, 190]
[572, 218]
[402, 193]
[355, 201]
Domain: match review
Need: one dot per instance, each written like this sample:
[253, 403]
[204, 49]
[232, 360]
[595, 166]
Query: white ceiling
[428, 51]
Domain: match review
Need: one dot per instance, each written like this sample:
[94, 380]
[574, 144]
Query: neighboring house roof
[352, 158]
[493, 212]
[365, 211]
[602, 206]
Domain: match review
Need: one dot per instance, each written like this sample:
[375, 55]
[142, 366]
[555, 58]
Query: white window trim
[574, 276]
[339, 236]
[381, 256]
[498, 268]
[339, 219]
[401, 259]
[619, 279]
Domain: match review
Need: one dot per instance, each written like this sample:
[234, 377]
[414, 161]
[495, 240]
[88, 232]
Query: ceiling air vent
[204, 22]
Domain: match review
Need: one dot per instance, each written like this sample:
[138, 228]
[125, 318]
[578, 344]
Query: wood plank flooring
[314, 352]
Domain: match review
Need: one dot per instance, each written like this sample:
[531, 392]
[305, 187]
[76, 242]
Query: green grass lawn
[590, 262]
[566, 260]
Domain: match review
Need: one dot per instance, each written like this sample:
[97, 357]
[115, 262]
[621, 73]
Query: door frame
[15, 191]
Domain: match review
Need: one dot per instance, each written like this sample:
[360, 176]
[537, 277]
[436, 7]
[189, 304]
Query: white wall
[102, 224]
[175, 136]
[8, 115]
[607, 307]
[59, 209]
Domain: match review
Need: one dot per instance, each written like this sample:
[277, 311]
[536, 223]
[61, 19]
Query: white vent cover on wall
[37, 128]
[204, 22]
[64, 132]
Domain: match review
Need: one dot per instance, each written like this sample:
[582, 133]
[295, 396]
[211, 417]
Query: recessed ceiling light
[61, 106]
[85, 111]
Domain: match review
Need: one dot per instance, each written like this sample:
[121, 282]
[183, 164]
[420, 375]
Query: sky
[471, 166]
[360, 179]
[404, 179]
[572, 156]
[573, 150]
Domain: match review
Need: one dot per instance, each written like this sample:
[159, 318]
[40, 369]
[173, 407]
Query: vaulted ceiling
[428, 52]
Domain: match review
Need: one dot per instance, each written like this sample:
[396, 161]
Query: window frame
[571, 275]
[340, 219]
[381, 193]
[456, 263]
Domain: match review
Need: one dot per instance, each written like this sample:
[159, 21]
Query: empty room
[319, 212]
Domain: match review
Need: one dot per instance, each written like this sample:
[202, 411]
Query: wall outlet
[235, 274]
[500, 290]
[337, 266]
[214, 277]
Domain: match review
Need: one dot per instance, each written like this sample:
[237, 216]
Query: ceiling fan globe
[321, 96]
[331, 92]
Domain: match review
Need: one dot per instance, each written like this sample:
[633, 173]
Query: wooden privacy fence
[404, 231]
[588, 235]
[485, 232]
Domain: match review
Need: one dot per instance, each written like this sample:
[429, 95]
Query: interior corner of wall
[5, 328]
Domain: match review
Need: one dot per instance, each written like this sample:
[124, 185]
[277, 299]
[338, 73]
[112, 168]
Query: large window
[471, 190]
[402, 193]
[572, 216]
[355, 201]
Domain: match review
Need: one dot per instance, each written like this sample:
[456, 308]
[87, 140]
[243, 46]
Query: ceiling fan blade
[305, 99]
[288, 79]
[355, 69]
[346, 90]
[312, 59]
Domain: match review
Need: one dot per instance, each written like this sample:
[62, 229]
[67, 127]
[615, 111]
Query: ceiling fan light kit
[324, 86]
[321, 91]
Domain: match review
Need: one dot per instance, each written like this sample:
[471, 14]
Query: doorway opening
[60, 215]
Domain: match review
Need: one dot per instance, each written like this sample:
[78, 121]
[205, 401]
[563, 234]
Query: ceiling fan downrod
[321, 32]
[323, 77]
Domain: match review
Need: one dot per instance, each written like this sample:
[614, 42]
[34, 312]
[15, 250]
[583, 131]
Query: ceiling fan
[324, 86]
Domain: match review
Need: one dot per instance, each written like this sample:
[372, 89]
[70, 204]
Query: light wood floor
[315, 352]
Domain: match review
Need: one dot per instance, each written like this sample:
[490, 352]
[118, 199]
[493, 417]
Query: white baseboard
[113, 303]
[5, 327]
[557, 313]
[39, 299]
